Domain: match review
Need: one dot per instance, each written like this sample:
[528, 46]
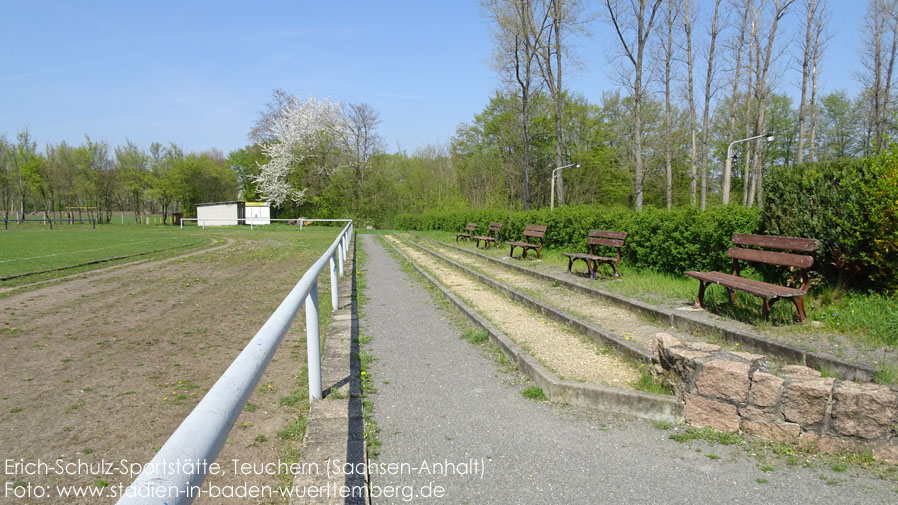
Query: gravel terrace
[622, 322]
[566, 353]
[811, 336]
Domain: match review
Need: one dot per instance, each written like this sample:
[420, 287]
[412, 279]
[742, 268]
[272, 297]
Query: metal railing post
[313, 343]
[334, 293]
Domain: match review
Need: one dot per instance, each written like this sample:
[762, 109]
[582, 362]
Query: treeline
[92, 180]
[696, 76]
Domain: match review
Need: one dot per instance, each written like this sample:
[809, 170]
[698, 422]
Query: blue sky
[196, 73]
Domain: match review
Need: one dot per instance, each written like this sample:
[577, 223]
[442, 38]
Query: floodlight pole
[728, 169]
[552, 186]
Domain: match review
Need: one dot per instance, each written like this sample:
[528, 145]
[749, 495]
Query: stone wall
[740, 391]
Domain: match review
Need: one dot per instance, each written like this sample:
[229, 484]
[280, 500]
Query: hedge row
[851, 206]
[682, 239]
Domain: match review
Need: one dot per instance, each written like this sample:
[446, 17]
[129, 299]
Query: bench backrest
[606, 238]
[471, 227]
[535, 231]
[801, 261]
[493, 230]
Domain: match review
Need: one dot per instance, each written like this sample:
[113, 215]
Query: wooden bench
[770, 293]
[531, 231]
[595, 240]
[491, 236]
[468, 234]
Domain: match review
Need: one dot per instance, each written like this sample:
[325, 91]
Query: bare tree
[556, 21]
[714, 30]
[879, 60]
[360, 143]
[765, 55]
[262, 130]
[514, 58]
[668, 53]
[821, 37]
[633, 22]
[749, 104]
[811, 49]
[745, 6]
[689, 19]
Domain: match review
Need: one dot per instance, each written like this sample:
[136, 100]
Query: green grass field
[32, 247]
[31, 251]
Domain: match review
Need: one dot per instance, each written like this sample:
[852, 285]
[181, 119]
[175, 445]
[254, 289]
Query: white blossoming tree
[301, 130]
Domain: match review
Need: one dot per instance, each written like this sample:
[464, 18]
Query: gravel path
[439, 400]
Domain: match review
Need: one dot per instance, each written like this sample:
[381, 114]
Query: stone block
[703, 346]
[661, 342]
[704, 412]
[748, 356]
[752, 413]
[765, 389]
[800, 372]
[682, 361]
[725, 380]
[829, 444]
[778, 432]
[885, 453]
[755, 361]
[863, 410]
[804, 402]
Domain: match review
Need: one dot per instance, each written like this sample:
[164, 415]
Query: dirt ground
[104, 367]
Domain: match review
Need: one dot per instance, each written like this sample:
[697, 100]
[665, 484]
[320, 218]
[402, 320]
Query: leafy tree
[245, 163]
[133, 166]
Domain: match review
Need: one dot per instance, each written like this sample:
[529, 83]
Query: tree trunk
[705, 116]
[731, 130]
[693, 123]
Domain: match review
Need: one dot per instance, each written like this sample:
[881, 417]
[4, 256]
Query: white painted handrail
[201, 221]
[175, 474]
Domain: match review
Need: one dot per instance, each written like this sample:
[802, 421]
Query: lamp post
[552, 187]
[727, 171]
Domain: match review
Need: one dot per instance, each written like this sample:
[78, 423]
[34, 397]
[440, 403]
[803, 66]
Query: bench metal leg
[799, 304]
[768, 307]
[701, 294]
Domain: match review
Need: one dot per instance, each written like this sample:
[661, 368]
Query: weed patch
[535, 393]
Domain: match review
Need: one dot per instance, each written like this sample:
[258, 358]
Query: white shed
[258, 213]
[220, 213]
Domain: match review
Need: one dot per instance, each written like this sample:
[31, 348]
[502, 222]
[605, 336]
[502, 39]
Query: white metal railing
[201, 221]
[175, 474]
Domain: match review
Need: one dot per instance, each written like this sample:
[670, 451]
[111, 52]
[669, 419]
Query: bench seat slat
[523, 244]
[751, 286]
[585, 256]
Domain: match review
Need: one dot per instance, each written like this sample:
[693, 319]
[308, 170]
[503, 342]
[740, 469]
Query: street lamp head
[769, 137]
[577, 165]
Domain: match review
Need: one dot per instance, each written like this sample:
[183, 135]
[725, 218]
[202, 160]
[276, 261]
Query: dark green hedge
[682, 239]
[850, 206]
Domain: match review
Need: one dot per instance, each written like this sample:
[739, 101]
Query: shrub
[682, 239]
[850, 206]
